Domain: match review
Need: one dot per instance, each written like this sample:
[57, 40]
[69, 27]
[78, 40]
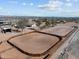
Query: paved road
[60, 50]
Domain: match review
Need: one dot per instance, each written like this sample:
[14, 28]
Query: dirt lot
[6, 50]
[36, 42]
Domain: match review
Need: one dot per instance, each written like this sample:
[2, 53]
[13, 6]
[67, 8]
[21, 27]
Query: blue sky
[59, 8]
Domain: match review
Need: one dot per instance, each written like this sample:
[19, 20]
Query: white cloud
[23, 3]
[76, 0]
[69, 4]
[68, 0]
[13, 1]
[52, 5]
[72, 0]
[31, 4]
[1, 8]
[57, 5]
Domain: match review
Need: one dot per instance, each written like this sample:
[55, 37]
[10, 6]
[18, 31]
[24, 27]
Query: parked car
[4, 30]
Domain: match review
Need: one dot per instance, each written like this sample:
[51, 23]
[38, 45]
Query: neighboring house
[34, 26]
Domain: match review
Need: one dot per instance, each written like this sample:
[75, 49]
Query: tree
[21, 24]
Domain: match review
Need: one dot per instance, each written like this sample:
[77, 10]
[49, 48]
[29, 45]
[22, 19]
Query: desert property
[38, 39]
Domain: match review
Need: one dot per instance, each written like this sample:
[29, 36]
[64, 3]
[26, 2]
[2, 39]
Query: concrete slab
[34, 43]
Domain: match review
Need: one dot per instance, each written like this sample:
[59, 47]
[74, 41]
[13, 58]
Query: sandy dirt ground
[6, 36]
[39, 43]
[11, 51]
[6, 50]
